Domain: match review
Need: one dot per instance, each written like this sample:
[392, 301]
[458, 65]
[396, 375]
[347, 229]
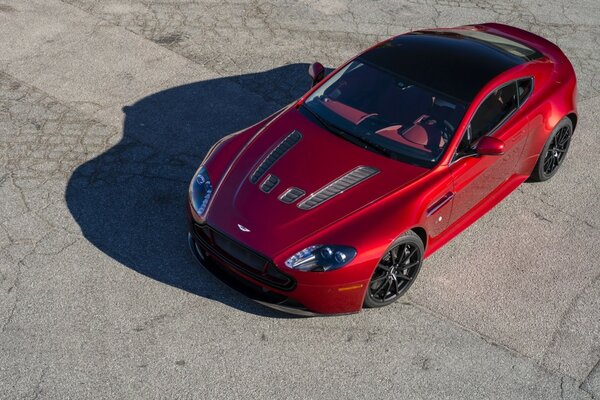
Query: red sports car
[332, 203]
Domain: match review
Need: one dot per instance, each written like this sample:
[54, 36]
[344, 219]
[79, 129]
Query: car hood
[261, 220]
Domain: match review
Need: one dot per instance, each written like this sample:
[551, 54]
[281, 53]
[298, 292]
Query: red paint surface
[372, 214]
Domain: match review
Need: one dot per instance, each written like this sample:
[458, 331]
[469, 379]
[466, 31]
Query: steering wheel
[370, 121]
[445, 127]
[447, 130]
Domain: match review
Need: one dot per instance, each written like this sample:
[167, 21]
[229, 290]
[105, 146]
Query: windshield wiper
[364, 143]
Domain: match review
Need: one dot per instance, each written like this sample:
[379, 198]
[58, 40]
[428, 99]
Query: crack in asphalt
[585, 383]
[47, 139]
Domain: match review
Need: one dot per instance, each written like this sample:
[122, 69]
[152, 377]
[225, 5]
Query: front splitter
[279, 306]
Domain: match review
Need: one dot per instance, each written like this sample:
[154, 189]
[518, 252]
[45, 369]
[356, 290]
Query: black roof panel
[444, 61]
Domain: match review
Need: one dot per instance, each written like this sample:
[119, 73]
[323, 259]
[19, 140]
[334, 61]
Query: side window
[524, 87]
[493, 110]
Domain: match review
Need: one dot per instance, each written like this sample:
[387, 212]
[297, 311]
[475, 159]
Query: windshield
[383, 112]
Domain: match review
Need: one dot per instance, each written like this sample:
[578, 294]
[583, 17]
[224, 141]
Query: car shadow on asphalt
[130, 201]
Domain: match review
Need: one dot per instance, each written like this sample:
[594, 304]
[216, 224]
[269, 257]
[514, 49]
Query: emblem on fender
[243, 228]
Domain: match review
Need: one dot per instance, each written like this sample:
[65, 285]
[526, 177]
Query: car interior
[388, 107]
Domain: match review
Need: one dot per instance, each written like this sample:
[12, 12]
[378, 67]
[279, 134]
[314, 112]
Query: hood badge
[243, 228]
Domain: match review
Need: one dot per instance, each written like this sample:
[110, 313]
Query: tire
[554, 152]
[406, 251]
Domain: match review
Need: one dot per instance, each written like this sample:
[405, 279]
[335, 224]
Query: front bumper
[298, 298]
[254, 292]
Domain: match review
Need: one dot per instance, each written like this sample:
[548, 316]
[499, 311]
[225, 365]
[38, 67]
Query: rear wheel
[396, 271]
[554, 152]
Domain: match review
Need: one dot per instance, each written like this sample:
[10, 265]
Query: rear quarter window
[524, 88]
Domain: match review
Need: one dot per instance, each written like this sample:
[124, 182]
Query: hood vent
[338, 186]
[275, 155]
[269, 183]
[291, 195]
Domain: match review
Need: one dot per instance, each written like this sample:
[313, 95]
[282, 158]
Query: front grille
[236, 255]
[240, 253]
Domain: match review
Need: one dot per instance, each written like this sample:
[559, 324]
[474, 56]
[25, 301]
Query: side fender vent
[269, 183]
[291, 195]
[275, 155]
[338, 186]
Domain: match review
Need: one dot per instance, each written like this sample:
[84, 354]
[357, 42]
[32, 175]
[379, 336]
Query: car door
[475, 177]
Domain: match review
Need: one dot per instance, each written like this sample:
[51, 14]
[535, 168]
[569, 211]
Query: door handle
[439, 203]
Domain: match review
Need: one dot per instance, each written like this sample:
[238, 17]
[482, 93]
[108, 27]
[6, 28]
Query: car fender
[551, 106]
[396, 213]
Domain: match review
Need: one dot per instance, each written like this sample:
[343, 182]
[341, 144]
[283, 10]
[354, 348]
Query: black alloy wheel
[396, 271]
[554, 152]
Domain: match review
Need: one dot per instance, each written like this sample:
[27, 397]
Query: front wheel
[396, 271]
[554, 152]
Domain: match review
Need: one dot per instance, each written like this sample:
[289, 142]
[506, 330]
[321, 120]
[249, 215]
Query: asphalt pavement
[106, 109]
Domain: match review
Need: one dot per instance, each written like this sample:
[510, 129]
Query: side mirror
[316, 72]
[489, 146]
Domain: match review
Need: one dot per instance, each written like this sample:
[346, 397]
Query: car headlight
[321, 258]
[200, 191]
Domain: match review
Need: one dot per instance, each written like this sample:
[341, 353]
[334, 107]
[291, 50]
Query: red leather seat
[417, 134]
[425, 132]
